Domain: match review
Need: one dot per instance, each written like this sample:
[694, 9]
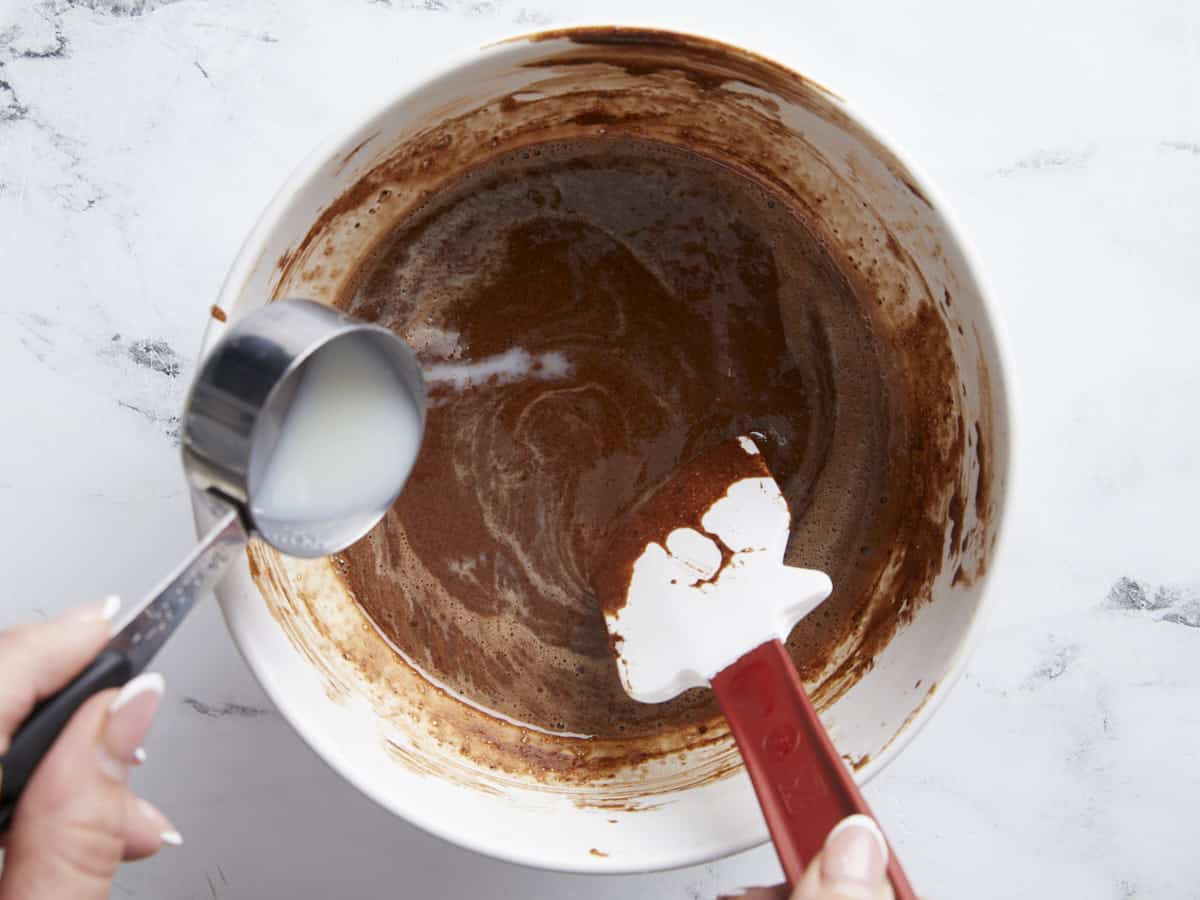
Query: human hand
[851, 866]
[77, 818]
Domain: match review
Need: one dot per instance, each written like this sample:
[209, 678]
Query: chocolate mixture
[594, 314]
[682, 501]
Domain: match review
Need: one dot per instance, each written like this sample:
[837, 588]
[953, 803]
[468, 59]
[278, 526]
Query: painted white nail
[112, 605]
[854, 859]
[139, 755]
[866, 823]
[101, 611]
[168, 836]
[147, 681]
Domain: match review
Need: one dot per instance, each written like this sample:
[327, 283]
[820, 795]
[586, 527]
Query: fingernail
[139, 755]
[146, 683]
[854, 860]
[166, 831]
[129, 719]
[101, 611]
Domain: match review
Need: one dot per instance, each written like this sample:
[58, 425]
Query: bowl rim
[335, 146]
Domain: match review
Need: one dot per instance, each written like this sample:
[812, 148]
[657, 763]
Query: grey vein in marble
[57, 49]
[126, 8]
[1192, 147]
[533, 17]
[170, 424]
[1044, 160]
[36, 338]
[81, 193]
[473, 8]
[155, 355]
[157, 399]
[1178, 603]
[1053, 667]
[11, 107]
[33, 32]
[1047, 159]
[221, 710]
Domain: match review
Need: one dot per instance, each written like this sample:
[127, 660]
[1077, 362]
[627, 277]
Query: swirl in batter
[591, 315]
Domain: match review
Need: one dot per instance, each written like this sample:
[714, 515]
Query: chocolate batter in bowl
[613, 249]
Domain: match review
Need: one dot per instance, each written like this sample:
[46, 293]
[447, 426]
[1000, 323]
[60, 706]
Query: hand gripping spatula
[695, 591]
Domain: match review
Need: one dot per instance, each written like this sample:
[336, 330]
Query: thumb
[851, 866]
[68, 834]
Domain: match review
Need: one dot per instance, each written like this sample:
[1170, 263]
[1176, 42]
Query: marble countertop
[139, 139]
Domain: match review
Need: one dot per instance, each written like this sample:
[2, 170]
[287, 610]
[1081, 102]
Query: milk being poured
[348, 437]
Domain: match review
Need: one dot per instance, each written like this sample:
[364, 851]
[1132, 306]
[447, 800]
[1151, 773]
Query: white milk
[503, 368]
[348, 439]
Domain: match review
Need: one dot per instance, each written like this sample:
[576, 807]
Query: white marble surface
[140, 138]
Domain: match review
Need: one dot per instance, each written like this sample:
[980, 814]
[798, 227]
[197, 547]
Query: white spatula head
[697, 578]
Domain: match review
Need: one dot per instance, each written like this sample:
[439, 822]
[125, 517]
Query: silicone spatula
[695, 592]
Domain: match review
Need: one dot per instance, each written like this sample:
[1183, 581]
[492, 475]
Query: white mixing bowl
[370, 715]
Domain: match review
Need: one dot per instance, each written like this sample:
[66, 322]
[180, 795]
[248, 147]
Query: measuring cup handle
[803, 786]
[128, 652]
[33, 739]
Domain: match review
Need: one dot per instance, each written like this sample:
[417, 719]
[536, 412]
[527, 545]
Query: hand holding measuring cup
[78, 817]
[302, 427]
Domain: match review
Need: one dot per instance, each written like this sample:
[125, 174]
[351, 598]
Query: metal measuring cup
[231, 423]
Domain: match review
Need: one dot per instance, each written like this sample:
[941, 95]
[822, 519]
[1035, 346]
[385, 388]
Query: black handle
[37, 733]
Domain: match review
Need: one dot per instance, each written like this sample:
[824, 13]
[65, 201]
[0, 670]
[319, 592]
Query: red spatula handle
[802, 783]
